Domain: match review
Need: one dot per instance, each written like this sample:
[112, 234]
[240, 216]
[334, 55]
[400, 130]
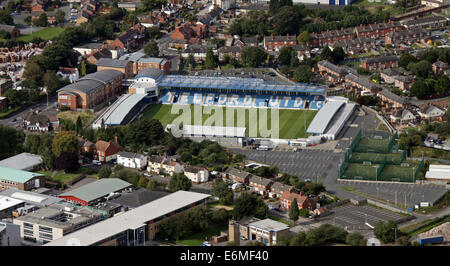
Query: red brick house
[13, 31]
[190, 32]
[380, 62]
[107, 151]
[132, 39]
[331, 72]
[277, 189]
[237, 175]
[275, 43]
[303, 201]
[259, 185]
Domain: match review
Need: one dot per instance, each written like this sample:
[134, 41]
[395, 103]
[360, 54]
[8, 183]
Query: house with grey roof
[237, 175]
[404, 117]
[278, 188]
[431, 112]
[132, 160]
[391, 100]
[259, 185]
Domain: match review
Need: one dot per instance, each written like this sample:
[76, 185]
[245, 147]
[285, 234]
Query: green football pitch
[292, 124]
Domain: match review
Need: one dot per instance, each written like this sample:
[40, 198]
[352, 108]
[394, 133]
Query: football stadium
[299, 106]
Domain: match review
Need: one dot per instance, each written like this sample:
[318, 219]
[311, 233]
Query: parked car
[95, 162]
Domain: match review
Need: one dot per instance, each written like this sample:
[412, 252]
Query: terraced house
[91, 90]
[275, 43]
[259, 185]
[381, 62]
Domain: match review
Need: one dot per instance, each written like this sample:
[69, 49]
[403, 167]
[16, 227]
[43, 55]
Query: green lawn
[198, 238]
[63, 177]
[45, 34]
[5, 113]
[292, 123]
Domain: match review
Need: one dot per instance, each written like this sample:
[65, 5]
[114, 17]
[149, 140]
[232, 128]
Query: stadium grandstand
[239, 92]
[329, 121]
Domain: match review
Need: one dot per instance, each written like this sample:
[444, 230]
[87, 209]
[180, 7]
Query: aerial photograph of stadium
[186, 124]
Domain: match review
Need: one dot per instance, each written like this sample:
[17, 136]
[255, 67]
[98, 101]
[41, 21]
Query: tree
[191, 61]
[143, 182]
[42, 21]
[47, 158]
[337, 54]
[143, 131]
[443, 84]
[421, 69]
[83, 69]
[419, 89]
[60, 17]
[221, 190]
[326, 54]
[10, 141]
[28, 20]
[65, 141]
[210, 60]
[304, 213]
[6, 18]
[303, 73]
[151, 49]
[405, 59]
[220, 217]
[249, 205]
[294, 211]
[285, 55]
[152, 33]
[304, 38]
[152, 184]
[79, 126]
[355, 239]
[253, 56]
[298, 239]
[179, 182]
[385, 231]
[68, 161]
[105, 172]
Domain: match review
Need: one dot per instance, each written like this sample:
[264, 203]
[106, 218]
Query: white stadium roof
[118, 114]
[324, 117]
[132, 219]
[213, 131]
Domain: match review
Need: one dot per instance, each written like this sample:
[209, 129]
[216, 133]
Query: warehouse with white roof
[134, 227]
[438, 172]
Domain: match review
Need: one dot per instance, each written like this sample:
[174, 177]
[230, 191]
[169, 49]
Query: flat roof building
[24, 161]
[95, 192]
[136, 226]
[53, 222]
[37, 199]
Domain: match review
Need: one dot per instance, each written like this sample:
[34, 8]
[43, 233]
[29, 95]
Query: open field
[292, 123]
[45, 34]
[361, 171]
[198, 238]
[86, 117]
[376, 158]
[63, 177]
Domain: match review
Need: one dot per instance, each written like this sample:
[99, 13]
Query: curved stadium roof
[324, 117]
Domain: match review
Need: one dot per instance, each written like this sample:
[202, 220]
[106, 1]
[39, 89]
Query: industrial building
[95, 192]
[12, 178]
[91, 90]
[53, 222]
[24, 161]
[134, 227]
[30, 198]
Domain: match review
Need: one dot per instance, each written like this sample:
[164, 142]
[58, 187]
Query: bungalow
[259, 185]
[107, 151]
[404, 116]
[431, 112]
[196, 174]
[237, 175]
[303, 201]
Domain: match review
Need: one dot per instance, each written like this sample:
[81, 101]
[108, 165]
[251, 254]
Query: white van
[262, 148]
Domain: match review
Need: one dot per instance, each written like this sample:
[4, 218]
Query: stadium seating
[313, 102]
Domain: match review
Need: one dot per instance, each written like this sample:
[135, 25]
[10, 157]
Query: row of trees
[325, 234]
